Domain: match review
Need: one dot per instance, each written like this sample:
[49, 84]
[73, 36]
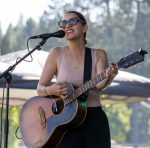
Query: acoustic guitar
[44, 121]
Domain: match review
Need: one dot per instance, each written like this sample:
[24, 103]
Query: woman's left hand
[112, 71]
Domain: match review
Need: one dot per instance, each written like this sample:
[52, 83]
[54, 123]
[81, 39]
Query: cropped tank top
[66, 73]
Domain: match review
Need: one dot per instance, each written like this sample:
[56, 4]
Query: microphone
[58, 34]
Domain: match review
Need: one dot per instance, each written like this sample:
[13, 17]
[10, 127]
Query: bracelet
[45, 91]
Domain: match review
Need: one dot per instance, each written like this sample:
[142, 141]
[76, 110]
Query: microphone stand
[6, 74]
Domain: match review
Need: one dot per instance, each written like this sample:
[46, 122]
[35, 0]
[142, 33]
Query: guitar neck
[86, 86]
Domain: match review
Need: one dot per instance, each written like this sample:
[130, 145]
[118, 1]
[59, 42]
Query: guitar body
[42, 126]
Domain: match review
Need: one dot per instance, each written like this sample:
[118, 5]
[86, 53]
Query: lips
[68, 31]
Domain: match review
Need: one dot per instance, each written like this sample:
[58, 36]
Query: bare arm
[49, 71]
[103, 66]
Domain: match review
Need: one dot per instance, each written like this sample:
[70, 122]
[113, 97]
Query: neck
[76, 47]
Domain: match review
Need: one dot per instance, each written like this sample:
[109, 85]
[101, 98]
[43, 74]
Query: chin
[70, 38]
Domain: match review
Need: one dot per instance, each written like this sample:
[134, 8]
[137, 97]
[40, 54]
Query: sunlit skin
[74, 51]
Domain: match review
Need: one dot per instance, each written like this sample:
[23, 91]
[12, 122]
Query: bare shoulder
[100, 53]
[55, 51]
[53, 56]
[102, 59]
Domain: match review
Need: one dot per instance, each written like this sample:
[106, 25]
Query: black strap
[87, 71]
[87, 65]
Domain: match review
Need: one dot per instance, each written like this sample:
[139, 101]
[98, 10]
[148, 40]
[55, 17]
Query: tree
[119, 119]
[7, 41]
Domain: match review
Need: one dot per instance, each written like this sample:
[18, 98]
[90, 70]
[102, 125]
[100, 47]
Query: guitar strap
[87, 65]
[87, 71]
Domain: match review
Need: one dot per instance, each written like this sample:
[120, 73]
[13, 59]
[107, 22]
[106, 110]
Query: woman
[67, 64]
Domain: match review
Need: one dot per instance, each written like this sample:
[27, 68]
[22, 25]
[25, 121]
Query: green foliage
[119, 119]
[13, 119]
[13, 124]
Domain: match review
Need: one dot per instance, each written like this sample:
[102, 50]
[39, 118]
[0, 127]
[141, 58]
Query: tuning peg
[142, 52]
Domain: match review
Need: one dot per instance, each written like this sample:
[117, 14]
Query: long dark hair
[82, 18]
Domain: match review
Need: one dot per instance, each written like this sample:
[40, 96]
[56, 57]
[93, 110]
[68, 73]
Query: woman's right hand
[58, 89]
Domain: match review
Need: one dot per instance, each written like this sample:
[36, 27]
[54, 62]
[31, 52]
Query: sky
[11, 10]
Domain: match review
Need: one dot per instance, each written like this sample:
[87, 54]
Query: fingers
[62, 96]
[114, 67]
[61, 88]
[112, 71]
[64, 91]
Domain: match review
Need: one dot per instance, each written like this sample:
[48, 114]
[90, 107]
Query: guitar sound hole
[57, 107]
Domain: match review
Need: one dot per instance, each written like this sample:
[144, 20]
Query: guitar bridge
[42, 117]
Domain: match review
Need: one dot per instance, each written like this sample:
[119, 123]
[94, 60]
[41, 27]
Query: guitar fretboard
[84, 87]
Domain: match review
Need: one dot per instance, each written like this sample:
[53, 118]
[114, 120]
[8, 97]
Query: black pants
[93, 133]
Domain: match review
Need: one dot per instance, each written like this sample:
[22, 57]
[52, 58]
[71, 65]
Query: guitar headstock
[132, 59]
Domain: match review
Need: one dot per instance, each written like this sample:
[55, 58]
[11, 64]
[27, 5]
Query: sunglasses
[73, 21]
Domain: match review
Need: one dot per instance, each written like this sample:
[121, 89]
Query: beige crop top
[66, 73]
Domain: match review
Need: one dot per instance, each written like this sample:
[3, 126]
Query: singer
[75, 63]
